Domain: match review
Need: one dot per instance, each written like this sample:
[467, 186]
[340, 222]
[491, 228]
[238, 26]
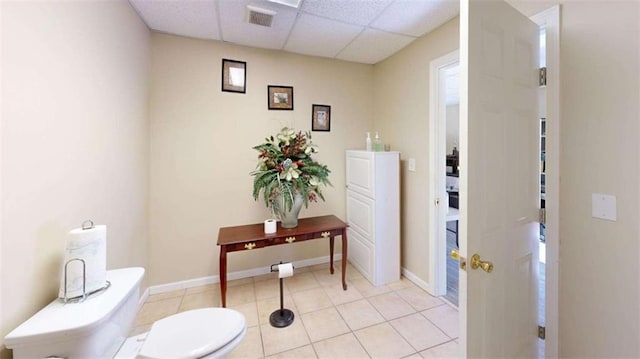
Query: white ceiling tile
[318, 36]
[373, 46]
[193, 18]
[236, 29]
[360, 12]
[324, 28]
[416, 17]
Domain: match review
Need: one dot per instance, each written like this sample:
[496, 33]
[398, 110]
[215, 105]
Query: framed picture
[234, 76]
[280, 97]
[320, 118]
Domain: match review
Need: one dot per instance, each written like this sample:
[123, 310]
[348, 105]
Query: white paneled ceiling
[364, 31]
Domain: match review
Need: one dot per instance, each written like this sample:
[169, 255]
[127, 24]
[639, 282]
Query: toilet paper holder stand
[282, 317]
[84, 295]
[88, 224]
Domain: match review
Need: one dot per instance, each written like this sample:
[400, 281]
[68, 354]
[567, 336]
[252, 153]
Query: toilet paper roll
[89, 245]
[285, 270]
[270, 226]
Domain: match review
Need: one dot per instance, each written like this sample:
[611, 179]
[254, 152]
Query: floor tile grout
[320, 282]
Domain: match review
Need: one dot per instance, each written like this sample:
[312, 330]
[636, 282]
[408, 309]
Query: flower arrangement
[285, 168]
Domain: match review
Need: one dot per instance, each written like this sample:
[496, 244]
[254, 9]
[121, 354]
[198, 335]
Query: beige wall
[599, 307]
[74, 141]
[202, 139]
[74, 145]
[599, 271]
[402, 117]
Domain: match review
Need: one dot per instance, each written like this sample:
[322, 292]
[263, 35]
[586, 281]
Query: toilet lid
[192, 334]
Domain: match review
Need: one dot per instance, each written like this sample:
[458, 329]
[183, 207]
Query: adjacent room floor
[398, 320]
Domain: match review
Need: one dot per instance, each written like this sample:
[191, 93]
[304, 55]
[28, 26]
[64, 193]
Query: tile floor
[398, 320]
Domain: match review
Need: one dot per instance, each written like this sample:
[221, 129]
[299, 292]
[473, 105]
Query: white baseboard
[143, 298]
[417, 281]
[189, 283]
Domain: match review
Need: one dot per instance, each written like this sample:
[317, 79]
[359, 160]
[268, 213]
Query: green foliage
[285, 167]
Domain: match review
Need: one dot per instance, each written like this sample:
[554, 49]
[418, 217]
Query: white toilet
[97, 327]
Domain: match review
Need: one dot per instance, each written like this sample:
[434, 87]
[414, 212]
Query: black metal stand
[282, 317]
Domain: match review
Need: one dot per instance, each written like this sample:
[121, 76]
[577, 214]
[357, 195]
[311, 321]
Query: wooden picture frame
[320, 117]
[280, 97]
[234, 76]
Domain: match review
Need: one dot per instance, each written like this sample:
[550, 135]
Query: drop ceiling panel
[416, 17]
[236, 29]
[373, 46]
[313, 35]
[360, 12]
[327, 28]
[192, 18]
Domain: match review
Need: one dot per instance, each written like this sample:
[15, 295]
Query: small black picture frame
[320, 117]
[234, 76]
[280, 97]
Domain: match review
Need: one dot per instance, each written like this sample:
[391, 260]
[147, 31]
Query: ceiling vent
[258, 16]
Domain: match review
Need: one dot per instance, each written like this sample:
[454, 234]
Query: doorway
[452, 183]
[444, 164]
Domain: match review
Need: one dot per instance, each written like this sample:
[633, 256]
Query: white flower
[291, 173]
[311, 149]
[286, 135]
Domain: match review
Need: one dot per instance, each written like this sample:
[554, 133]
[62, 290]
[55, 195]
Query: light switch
[412, 164]
[603, 206]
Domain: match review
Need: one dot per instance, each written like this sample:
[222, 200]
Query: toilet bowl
[97, 327]
[199, 333]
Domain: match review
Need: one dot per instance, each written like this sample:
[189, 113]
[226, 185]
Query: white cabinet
[373, 214]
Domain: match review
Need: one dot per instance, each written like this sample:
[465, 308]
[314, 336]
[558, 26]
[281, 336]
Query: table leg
[223, 275]
[331, 242]
[344, 259]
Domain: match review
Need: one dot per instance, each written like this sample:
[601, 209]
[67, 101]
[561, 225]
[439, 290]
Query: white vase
[289, 218]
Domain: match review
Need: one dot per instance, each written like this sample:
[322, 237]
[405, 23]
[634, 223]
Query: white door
[498, 183]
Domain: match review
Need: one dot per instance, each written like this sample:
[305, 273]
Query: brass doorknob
[485, 265]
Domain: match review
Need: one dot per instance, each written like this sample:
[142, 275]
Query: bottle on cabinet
[368, 141]
[377, 143]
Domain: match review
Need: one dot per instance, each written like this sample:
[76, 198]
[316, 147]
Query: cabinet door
[360, 253]
[360, 170]
[360, 214]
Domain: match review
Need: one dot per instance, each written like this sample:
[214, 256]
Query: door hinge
[541, 332]
[542, 77]
[542, 215]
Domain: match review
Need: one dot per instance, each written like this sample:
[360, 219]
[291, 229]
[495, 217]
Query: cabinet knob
[325, 234]
[249, 246]
[290, 239]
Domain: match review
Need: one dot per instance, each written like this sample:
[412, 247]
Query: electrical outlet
[412, 164]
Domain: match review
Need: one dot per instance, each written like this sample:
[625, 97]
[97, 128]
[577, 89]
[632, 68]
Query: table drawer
[245, 246]
[288, 239]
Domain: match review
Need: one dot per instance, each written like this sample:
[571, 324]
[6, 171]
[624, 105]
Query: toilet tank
[94, 328]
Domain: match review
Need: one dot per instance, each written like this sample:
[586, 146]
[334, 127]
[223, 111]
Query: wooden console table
[252, 236]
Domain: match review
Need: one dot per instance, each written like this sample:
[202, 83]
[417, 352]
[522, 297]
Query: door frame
[437, 151]
[550, 20]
